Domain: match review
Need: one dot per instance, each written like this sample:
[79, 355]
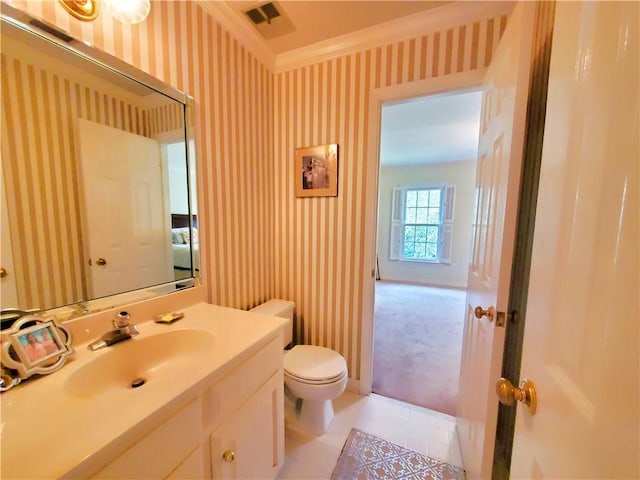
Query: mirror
[98, 189]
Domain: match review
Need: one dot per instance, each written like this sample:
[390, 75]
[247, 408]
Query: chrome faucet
[122, 330]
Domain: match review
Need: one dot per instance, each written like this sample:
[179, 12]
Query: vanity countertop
[49, 433]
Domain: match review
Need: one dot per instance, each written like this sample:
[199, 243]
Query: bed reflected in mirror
[184, 240]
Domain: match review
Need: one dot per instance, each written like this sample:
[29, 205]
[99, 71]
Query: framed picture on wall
[316, 171]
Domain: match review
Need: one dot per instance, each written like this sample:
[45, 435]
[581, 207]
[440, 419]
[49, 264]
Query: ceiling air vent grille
[263, 13]
[269, 19]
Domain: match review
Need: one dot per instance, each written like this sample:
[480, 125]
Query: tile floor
[428, 432]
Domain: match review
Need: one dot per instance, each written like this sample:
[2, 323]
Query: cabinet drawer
[157, 454]
[237, 386]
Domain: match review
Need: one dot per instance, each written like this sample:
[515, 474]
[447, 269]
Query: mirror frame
[53, 34]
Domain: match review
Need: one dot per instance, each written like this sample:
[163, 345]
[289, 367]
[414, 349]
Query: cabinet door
[253, 437]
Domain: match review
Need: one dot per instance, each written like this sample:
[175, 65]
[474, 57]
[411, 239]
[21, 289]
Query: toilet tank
[279, 308]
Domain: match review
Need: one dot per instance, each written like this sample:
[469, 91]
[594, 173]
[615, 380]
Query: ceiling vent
[263, 13]
[270, 20]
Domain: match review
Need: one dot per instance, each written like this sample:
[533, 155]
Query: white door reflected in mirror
[125, 214]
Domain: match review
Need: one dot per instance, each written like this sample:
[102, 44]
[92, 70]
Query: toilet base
[315, 416]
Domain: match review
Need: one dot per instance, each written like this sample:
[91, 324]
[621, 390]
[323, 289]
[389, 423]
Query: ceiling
[434, 129]
[439, 128]
[315, 21]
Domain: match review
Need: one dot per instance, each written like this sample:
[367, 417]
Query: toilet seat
[314, 365]
[316, 382]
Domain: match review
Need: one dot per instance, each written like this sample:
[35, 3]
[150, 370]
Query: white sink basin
[132, 364]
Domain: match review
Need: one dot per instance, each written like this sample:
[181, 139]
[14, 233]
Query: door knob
[526, 394]
[3, 272]
[101, 261]
[479, 312]
[228, 456]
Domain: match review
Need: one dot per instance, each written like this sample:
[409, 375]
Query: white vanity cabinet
[214, 384]
[232, 428]
[247, 408]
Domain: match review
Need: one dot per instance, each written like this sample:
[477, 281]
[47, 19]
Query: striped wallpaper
[182, 45]
[262, 241]
[165, 118]
[319, 242]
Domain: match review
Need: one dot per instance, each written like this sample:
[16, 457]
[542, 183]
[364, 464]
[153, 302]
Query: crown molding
[457, 13]
[226, 16]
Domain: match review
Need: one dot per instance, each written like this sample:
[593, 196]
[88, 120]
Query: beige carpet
[418, 344]
[367, 457]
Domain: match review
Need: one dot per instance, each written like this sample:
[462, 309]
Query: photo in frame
[38, 344]
[316, 171]
[35, 345]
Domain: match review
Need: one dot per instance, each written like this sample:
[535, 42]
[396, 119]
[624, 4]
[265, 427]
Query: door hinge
[503, 317]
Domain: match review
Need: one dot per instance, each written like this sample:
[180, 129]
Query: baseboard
[422, 284]
[353, 385]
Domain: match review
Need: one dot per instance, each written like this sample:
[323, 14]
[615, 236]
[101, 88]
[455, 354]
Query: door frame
[458, 82]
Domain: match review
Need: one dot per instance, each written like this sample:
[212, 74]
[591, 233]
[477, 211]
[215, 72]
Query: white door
[502, 125]
[128, 229]
[582, 330]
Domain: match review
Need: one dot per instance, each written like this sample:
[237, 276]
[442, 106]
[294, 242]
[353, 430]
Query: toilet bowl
[315, 375]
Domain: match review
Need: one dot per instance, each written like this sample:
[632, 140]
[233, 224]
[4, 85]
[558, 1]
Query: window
[421, 224]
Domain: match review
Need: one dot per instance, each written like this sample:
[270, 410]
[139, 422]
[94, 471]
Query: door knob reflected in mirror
[101, 261]
[508, 394]
[479, 312]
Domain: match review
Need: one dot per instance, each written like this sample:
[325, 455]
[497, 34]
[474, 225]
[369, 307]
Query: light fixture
[129, 11]
[85, 10]
[126, 11]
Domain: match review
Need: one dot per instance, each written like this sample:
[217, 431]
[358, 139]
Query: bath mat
[367, 457]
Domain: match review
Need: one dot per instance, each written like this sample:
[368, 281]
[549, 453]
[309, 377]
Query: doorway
[428, 150]
[184, 238]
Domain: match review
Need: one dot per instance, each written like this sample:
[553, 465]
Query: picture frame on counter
[34, 345]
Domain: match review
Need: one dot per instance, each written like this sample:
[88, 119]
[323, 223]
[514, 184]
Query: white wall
[460, 174]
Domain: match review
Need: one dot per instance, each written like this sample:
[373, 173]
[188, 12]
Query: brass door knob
[228, 456]
[101, 261]
[3, 272]
[526, 394]
[479, 312]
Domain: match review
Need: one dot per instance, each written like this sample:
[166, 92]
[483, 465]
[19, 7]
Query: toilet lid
[324, 381]
[314, 363]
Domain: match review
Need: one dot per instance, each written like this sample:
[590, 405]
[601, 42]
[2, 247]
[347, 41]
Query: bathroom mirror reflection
[97, 176]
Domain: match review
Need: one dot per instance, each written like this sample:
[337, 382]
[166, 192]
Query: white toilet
[315, 375]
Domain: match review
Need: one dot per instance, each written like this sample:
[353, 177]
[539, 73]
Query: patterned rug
[367, 457]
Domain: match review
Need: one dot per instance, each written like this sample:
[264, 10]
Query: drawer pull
[228, 456]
